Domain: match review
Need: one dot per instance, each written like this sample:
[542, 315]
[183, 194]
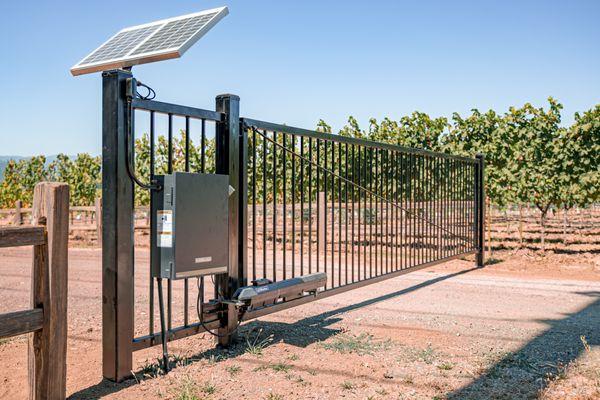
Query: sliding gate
[301, 202]
[358, 210]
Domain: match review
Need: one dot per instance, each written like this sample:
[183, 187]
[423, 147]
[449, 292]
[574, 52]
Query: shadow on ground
[300, 333]
[526, 369]
[524, 373]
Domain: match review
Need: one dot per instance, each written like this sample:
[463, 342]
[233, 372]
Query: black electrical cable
[149, 96]
[129, 153]
[200, 301]
[163, 332]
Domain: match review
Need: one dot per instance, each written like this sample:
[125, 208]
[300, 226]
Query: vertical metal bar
[254, 145]
[117, 228]
[409, 207]
[325, 214]
[371, 213]
[310, 200]
[318, 186]
[413, 207]
[351, 199]
[462, 205]
[480, 207]
[454, 187]
[438, 243]
[203, 147]
[391, 210]
[187, 169]
[395, 210]
[274, 234]
[419, 184]
[423, 219]
[427, 172]
[302, 172]
[333, 191]
[153, 255]
[339, 163]
[398, 216]
[324, 246]
[293, 205]
[405, 192]
[450, 205]
[332, 209]
[284, 195]
[264, 200]
[187, 144]
[364, 220]
[377, 182]
[403, 214]
[444, 205]
[170, 171]
[231, 159]
[360, 192]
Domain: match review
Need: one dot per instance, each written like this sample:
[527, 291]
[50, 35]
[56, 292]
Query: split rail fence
[46, 320]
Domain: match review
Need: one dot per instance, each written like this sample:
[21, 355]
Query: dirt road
[449, 331]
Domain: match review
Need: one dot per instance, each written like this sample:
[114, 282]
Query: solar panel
[160, 40]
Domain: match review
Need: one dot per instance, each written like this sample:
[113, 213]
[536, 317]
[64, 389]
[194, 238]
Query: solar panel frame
[130, 59]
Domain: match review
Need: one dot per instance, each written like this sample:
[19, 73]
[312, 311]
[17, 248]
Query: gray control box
[190, 229]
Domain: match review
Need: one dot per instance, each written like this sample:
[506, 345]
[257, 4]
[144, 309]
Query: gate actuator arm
[264, 293]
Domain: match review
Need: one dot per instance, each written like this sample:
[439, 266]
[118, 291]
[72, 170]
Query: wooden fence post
[18, 219]
[39, 341]
[98, 219]
[51, 205]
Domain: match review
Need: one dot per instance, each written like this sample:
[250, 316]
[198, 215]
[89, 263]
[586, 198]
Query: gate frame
[118, 242]
[118, 223]
[117, 232]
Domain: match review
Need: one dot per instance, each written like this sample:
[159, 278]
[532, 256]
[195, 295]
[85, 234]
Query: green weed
[233, 370]
[361, 344]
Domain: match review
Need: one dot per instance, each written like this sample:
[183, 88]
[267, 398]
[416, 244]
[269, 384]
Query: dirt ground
[525, 326]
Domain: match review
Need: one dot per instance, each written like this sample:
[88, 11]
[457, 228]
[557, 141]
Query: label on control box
[164, 228]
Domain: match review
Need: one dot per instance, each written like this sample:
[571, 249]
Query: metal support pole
[117, 231]
[232, 149]
[480, 208]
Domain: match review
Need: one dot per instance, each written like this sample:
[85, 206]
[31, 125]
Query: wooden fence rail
[46, 320]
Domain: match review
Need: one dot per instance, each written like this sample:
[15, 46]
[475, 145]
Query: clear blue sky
[298, 61]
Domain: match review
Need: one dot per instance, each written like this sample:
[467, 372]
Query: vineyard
[531, 160]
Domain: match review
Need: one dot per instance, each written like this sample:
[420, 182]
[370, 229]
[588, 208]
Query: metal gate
[302, 201]
[358, 210]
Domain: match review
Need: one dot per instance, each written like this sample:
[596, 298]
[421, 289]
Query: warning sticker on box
[164, 228]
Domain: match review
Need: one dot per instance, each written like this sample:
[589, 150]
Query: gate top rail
[176, 109]
[269, 126]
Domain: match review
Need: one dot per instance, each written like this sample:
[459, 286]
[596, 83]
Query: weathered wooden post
[18, 218]
[98, 219]
[48, 347]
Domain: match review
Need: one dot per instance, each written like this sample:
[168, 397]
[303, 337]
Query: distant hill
[4, 162]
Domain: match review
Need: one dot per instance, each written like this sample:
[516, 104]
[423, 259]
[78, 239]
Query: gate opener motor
[191, 232]
[263, 292]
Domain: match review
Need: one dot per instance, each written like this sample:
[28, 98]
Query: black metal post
[117, 231]
[231, 158]
[480, 209]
